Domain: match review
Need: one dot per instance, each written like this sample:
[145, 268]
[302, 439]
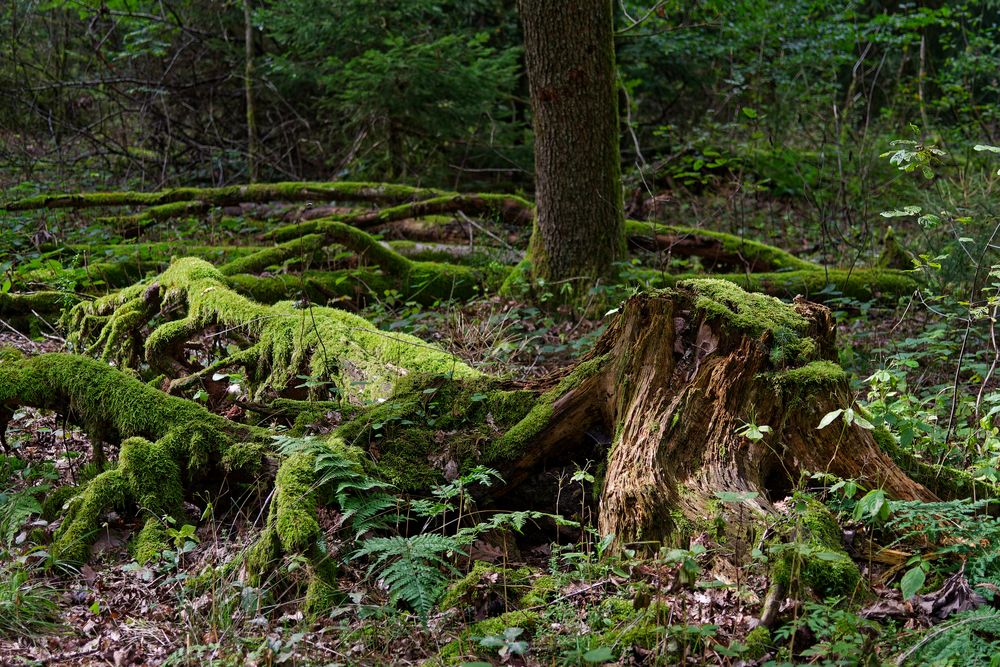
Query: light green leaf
[597, 655]
[828, 418]
[912, 582]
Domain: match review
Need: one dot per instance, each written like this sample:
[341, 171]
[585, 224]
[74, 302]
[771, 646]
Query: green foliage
[26, 607]
[412, 566]
[380, 85]
[967, 638]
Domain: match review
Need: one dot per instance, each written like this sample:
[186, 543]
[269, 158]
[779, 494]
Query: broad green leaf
[600, 654]
[912, 582]
[828, 419]
[735, 497]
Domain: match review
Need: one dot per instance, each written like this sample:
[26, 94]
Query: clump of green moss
[758, 642]
[486, 583]
[814, 377]
[747, 311]
[151, 541]
[815, 555]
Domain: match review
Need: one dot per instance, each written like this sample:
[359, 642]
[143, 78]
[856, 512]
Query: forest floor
[590, 607]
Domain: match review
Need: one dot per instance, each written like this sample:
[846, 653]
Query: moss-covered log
[817, 284]
[380, 193]
[714, 248]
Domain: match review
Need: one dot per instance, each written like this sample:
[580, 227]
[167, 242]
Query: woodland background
[849, 134]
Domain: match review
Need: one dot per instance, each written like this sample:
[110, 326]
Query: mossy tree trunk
[570, 60]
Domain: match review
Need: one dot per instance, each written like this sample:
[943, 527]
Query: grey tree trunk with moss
[570, 60]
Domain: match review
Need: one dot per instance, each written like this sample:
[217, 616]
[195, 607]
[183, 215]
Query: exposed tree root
[166, 442]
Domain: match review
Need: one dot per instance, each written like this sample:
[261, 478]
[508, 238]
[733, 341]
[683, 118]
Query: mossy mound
[815, 557]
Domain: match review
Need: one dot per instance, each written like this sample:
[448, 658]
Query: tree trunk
[570, 60]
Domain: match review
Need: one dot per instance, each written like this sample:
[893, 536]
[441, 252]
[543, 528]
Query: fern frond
[415, 569]
[967, 638]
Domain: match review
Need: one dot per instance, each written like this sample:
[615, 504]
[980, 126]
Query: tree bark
[570, 60]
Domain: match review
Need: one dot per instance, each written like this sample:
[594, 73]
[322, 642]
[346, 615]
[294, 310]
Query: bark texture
[570, 59]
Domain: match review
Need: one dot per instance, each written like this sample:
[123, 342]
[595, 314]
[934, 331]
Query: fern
[415, 569]
[15, 510]
[363, 500]
[969, 638]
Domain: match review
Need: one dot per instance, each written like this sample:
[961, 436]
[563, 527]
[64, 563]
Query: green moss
[152, 475]
[643, 628]
[302, 247]
[325, 343]
[542, 590]
[150, 542]
[487, 582]
[55, 500]
[816, 284]
[761, 256]
[230, 195]
[746, 311]
[810, 379]
[82, 520]
[512, 443]
[616, 611]
[526, 620]
[244, 457]
[758, 642]
[164, 438]
[295, 504]
[816, 557]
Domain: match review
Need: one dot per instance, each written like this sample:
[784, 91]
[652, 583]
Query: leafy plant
[415, 568]
[26, 607]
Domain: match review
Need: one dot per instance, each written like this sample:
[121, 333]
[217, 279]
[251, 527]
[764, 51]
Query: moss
[759, 255]
[810, 379]
[746, 311]
[295, 504]
[150, 542]
[56, 499]
[943, 481]
[263, 258]
[404, 433]
[82, 521]
[644, 628]
[164, 438]
[758, 642]
[25, 303]
[326, 343]
[542, 589]
[615, 610]
[152, 475]
[526, 620]
[244, 457]
[230, 195]
[816, 284]
[512, 443]
[820, 562]
[487, 582]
